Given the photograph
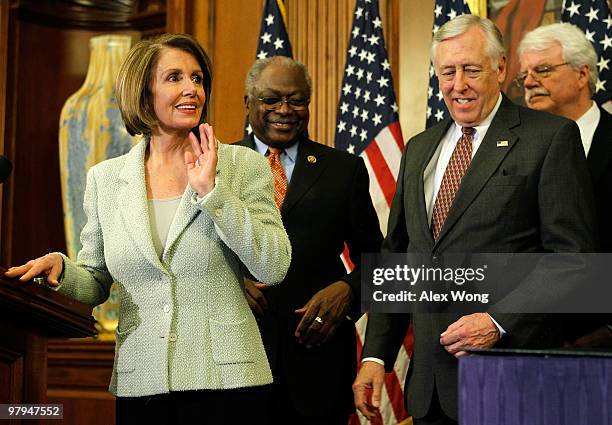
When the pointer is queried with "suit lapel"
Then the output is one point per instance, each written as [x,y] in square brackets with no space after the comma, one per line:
[309,165]
[185,214]
[422,206]
[600,154]
[487,159]
[133,205]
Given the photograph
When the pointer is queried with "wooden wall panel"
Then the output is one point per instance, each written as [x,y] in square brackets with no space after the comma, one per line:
[236,30]
[79,371]
[4,20]
[11,375]
[178,16]
[414,39]
[319,31]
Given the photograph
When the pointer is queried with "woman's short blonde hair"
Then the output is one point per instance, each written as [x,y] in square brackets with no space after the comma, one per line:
[133,84]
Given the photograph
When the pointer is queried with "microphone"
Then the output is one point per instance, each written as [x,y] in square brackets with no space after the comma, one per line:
[5,168]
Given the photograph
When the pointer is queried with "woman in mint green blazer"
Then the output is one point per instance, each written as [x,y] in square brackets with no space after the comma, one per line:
[176,223]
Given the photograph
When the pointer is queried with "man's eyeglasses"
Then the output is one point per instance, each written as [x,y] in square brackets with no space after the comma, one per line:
[274,103]
[538,73]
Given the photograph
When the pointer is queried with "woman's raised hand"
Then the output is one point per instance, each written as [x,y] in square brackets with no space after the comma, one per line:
[202,161]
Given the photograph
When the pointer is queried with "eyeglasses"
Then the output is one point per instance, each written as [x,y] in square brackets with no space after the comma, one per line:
[538,73]
[274,103]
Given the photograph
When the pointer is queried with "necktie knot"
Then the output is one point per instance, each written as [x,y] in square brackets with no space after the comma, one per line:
[468,131]
[275,151]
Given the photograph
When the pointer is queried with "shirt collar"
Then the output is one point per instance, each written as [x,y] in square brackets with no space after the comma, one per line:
[262,148]
[590,118]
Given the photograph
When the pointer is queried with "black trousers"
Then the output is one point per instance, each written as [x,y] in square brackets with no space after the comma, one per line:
[281,410]
[435,415]
[206,407]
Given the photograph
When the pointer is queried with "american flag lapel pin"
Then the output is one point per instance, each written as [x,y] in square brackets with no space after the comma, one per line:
[502,143]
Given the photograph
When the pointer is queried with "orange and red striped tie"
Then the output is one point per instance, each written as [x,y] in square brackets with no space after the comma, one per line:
[280,179]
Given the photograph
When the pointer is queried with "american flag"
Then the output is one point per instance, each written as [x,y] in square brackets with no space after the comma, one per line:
[368,126]
[593,17]
[444,11]
[368,123]
[273,37]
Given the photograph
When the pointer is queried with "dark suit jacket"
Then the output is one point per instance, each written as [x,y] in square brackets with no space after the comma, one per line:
[327,204]
[527,197]
[600,166]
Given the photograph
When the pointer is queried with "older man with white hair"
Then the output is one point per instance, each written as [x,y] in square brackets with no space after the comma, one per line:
[495,177]
[559,74]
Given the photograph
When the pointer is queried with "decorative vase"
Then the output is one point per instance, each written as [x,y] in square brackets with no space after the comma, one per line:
[91,130]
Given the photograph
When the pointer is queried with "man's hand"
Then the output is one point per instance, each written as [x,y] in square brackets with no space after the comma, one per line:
[255,297]
[369,381]
[471,331]
[323,313]
[600,337]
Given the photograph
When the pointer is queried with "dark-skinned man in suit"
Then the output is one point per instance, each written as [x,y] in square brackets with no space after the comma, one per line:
[496,178]
[559,75]
[323,195]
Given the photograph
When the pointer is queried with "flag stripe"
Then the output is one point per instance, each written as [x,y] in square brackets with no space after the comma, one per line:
[389,416]
[396,131]
[381,171]
[346,258]
[378,197]
[401,365]
[386,142]
[396,395]
[409,341]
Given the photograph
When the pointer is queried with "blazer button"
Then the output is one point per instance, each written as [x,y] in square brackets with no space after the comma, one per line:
[218,212]
[172,337]
[435,259]
[166,308]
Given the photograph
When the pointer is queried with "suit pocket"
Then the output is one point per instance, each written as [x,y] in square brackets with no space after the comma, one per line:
[232,342]
[507,180]
[125,349]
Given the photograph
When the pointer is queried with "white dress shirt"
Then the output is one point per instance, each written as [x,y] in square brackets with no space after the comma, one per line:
[587,124]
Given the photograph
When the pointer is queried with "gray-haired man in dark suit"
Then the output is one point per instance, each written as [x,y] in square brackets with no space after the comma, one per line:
[494,178]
